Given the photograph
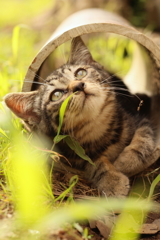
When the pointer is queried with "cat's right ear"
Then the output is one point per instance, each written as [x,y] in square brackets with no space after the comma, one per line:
[79,53]
[22,104]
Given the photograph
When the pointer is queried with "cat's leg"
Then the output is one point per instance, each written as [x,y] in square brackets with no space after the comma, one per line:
[140,154]
[107,179]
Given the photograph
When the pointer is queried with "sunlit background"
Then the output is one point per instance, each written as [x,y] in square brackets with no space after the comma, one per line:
[26,196]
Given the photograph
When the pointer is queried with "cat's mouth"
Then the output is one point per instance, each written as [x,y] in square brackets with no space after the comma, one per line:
[81,101]
[84,99]
[83,89]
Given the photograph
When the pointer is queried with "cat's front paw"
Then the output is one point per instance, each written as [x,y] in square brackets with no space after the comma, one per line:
[114,184]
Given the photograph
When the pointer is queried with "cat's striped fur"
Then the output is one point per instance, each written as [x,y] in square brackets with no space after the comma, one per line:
[102,115]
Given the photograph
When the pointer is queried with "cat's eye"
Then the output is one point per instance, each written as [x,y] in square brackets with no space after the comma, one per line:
[80,73]
[55,96]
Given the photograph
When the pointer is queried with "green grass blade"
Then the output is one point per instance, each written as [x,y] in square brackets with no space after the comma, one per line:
[3,133]
[153,185]
[15,42]
[62,112]
[72,183]
[76,147]
[59,138]
[72,143]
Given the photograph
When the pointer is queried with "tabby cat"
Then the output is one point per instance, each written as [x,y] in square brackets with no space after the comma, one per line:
[102,116]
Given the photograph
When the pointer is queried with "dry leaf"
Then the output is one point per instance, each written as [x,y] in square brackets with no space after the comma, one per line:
[157,222]
[92,223]
[103,228]
[149,228]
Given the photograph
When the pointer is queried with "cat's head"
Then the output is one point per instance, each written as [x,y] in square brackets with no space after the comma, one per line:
[82,76]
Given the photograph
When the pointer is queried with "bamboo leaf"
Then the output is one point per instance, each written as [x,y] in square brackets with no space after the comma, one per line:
[76,147]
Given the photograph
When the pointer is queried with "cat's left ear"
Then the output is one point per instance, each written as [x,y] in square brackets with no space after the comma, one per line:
[23,105]
[79,53]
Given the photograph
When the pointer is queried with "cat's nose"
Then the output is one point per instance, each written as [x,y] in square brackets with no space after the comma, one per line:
[78,86]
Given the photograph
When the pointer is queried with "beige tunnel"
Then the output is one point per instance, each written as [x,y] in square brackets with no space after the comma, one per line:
[90,21]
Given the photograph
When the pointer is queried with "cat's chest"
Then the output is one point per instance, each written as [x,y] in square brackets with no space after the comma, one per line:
[110,143]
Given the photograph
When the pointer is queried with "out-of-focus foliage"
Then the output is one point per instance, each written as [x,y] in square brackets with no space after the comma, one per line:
[14,11]
[25,26]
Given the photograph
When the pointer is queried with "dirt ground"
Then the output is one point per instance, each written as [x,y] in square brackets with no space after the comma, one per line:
[140,186]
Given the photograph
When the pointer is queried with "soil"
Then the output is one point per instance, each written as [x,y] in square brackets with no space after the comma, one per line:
[140,187]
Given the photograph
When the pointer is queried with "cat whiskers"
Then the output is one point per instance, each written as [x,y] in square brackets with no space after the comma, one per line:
[36,75]
[116,88]
[29,81]
[125,90]
[39,77]
[110,77]
[140,100]
[118,93]
[110,82]
[35,82]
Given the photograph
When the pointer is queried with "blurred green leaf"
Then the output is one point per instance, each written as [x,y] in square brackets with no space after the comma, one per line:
[76,147]
[3,133]
[59,138]
[15,42]
[91,209]
[26,175]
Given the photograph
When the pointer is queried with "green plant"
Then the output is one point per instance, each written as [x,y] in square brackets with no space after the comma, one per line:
[25,177]
[72,143]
